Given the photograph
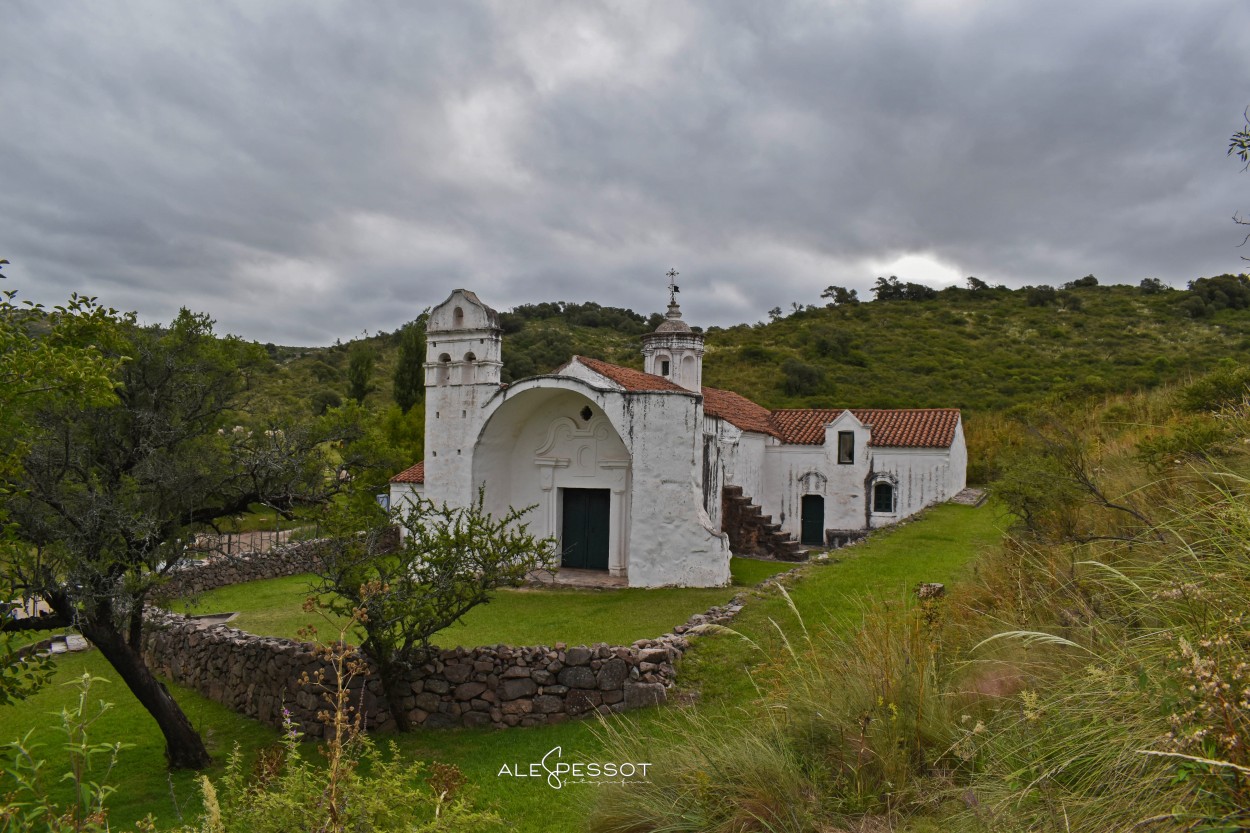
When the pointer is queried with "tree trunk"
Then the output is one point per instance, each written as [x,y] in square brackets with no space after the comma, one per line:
[395,687]
[184,748]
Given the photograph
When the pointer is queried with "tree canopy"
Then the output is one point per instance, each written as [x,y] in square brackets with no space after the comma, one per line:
[105,493]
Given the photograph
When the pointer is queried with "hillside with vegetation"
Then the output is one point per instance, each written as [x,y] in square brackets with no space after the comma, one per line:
[982,348]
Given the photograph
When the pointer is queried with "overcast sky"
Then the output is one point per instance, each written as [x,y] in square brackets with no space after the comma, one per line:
[306,171]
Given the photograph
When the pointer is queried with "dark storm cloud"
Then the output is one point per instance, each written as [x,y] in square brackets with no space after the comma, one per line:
[306,171]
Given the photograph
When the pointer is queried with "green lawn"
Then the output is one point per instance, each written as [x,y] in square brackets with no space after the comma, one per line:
[526,616]
[937,547]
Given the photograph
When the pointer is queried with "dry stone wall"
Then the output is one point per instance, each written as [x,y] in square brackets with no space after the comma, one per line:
[221,570]
[498,686]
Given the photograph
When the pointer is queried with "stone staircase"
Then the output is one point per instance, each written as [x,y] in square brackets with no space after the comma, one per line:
[751,532]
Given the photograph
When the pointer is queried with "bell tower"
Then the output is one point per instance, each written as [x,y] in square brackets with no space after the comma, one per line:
[463,360]
[674,351]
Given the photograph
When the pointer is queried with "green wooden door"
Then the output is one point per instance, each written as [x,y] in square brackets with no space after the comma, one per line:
[813,521]
[584,531]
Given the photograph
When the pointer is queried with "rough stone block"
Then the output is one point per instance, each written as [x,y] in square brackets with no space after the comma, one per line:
[457,673]
[612,675]
[512,689]
[577,677]
[580,701]
[577,656]
[517,707]
[640,695]
[467,691]
[548,704]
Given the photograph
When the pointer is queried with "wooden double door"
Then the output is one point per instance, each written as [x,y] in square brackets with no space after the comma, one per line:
[585,528]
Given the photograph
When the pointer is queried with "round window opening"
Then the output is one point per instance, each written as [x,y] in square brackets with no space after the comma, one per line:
[586,414]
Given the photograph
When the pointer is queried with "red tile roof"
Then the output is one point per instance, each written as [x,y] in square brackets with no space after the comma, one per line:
[412,474]
[912,428]
[738,411]
[628,378]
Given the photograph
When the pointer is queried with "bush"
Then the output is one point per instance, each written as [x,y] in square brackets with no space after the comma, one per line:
[799,379]
[358,789]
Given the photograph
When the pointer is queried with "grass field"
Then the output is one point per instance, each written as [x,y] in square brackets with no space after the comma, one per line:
[937,547]
[525,616]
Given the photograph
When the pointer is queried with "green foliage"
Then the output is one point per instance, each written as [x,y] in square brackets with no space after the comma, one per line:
[840,296]
[891,289]
[107,493]
[360,372]
[1040,296]
[1207,296]
[1082,283]
[408,383]
[324,400]
[28,807]
[800,379]
[449,560]
[1226,386]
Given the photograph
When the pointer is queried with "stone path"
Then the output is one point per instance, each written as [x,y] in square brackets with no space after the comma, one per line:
[970,497]
[570,577]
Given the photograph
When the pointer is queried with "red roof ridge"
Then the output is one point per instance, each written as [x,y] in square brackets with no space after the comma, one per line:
[891,427]
[412,474]
[626,377]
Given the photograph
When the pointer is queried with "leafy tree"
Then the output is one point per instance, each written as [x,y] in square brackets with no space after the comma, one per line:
[449,561]
[1040,296]
[409,380]
[360,372]
[840,296]
[107,493]
[1152,286]
[35,369]
[1082,283]
[977,285]
[799,379]
[892,289]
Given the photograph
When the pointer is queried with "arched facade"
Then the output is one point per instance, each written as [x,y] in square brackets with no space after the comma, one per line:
[554,448]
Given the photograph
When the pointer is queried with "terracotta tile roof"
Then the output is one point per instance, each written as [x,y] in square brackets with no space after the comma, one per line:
[412,474]
[913,428]
[628,378]
[738,411]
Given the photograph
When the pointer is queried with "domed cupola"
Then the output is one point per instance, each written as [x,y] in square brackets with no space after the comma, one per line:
[675,351]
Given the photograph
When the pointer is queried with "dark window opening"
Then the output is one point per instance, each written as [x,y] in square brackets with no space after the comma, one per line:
[883,498]
[664,367]
[586,414]
[846,447]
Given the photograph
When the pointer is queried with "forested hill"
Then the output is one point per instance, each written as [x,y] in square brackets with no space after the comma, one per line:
[980,349]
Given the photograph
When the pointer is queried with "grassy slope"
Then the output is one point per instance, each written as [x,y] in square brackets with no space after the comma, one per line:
[514,617]
[981,353]
[935,548]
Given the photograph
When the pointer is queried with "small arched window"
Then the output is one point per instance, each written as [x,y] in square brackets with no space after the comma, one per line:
[444,371]
[469,357]
[883,498]
[444,358]
[457,318]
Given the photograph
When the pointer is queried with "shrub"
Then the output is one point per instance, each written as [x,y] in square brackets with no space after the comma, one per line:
[358,789]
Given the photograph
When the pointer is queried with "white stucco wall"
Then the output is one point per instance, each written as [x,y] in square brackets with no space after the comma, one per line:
[642,446]
[921,478]
[404,495]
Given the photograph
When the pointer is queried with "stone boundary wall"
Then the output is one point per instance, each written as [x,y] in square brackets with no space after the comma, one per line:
[222,570]
[496,685]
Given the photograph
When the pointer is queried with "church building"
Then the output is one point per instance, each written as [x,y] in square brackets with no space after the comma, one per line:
[652,477]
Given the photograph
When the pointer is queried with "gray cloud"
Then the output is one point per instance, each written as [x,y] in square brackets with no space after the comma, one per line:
[308,171]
